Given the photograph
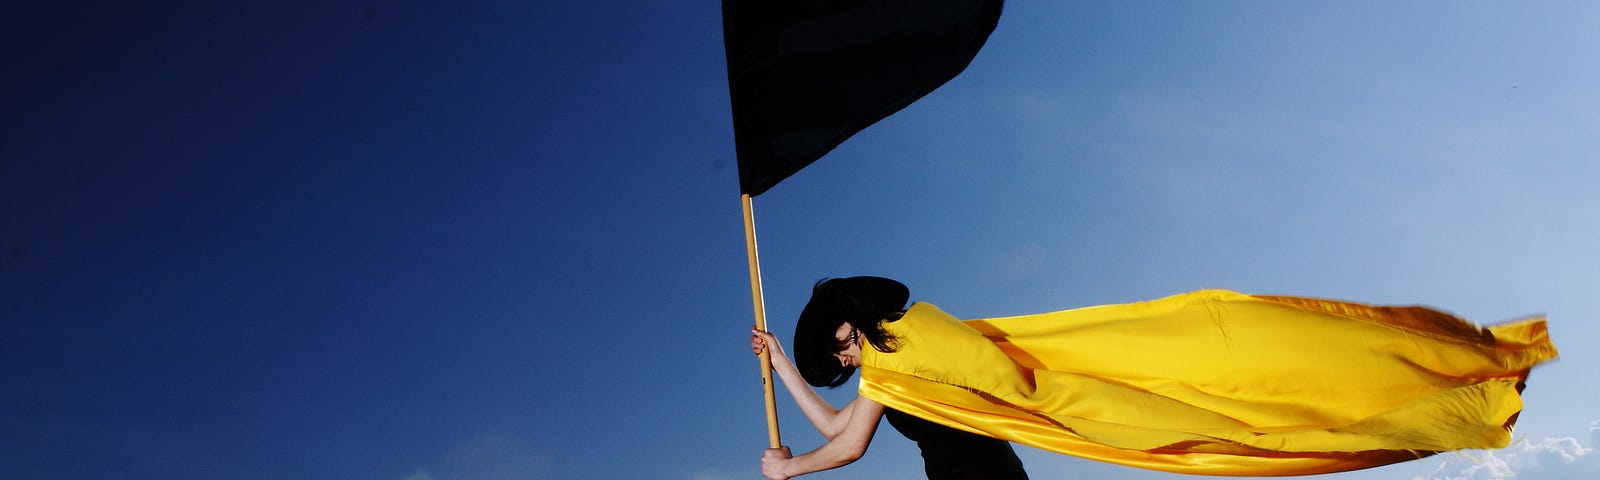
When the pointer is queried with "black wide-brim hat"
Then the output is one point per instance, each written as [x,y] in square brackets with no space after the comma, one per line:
[859,301]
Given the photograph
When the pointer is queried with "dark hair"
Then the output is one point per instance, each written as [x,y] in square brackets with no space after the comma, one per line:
[864,303]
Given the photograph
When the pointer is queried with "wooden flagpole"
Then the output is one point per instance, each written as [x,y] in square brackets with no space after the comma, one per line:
[761,320]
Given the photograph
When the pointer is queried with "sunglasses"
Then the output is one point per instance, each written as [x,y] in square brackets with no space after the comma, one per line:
[853,338]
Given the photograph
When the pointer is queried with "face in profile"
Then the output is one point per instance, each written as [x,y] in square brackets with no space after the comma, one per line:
[847,345]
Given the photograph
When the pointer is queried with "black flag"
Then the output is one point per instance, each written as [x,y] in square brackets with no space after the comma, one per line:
[805,75]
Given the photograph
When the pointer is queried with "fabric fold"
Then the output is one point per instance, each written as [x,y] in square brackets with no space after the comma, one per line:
[1216,382]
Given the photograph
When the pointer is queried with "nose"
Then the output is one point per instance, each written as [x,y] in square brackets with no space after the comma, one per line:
[843,362]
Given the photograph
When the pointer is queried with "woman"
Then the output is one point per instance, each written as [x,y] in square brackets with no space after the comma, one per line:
[1210,382]
[842,315]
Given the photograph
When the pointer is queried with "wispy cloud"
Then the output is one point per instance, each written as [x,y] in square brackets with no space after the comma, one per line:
[1551,457]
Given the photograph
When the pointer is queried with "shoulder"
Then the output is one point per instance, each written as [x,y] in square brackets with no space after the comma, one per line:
[867,405]
[921,315]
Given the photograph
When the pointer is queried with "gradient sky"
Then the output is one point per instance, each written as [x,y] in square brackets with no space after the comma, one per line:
[480,240]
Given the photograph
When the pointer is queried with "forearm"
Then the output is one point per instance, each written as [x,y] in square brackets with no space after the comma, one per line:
[827,419]
[829,456]
[845,448]
[862,421]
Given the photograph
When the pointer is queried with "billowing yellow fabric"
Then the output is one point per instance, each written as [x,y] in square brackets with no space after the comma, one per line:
[1216,382]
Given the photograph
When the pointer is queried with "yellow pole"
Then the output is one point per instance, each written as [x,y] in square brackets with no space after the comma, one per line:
[761,320]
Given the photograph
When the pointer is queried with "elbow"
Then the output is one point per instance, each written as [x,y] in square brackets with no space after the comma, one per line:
[834,433]
[842,458]
[852,452]
[841,452]
[830,434]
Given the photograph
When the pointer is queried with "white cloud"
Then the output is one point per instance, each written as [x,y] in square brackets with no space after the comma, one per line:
[1557,458]
[1566,448]
[1491,466]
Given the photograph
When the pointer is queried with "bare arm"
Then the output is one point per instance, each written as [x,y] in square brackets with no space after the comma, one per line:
[846,447]
[828,420]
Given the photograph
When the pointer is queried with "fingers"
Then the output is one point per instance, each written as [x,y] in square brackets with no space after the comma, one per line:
[761,341]
[772,462]
[776,453]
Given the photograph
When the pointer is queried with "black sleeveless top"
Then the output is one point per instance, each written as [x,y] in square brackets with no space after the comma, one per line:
[950,454]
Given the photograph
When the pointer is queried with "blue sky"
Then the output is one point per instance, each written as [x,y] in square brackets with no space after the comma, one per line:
[415,241]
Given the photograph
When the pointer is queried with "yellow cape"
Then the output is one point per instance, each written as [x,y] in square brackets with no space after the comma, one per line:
[1216,382]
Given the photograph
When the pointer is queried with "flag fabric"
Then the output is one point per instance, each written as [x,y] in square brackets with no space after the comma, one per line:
[1216,382]
[803,76]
